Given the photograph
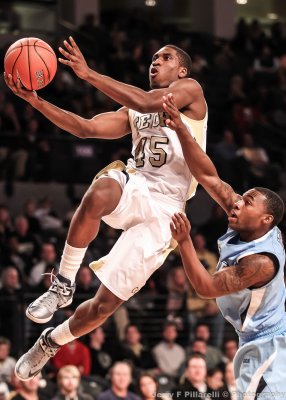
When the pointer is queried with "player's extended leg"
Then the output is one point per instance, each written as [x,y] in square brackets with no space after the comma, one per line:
[100,199]
[88,316]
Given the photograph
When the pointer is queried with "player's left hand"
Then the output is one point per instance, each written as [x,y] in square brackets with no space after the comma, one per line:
[74,58]
[180,227]
[174,121]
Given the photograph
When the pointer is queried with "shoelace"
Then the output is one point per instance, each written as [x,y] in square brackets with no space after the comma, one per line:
[59,290]
[58,286]
[48,350]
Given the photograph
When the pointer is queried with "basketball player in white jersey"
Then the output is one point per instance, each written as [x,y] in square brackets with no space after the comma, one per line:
[139,198]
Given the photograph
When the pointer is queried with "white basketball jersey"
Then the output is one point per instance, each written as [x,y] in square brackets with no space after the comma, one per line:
[157,153]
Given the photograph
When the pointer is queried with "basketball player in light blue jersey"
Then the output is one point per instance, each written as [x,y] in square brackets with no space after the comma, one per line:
[249,282]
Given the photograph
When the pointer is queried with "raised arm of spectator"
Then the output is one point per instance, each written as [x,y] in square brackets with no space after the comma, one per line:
[185,90]
[200,165]
[110,125]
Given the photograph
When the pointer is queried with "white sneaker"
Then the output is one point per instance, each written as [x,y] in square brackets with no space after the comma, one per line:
[59,295]
[32,362]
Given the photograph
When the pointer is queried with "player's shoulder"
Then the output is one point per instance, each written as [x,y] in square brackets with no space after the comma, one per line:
[187,83]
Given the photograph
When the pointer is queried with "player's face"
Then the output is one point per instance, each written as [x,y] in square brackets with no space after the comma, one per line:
[165,68]
[249,213]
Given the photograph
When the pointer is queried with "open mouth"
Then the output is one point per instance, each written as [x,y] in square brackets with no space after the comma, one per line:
[153,71]
[232,217]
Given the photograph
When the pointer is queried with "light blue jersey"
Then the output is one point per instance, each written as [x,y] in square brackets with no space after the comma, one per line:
[254,312]
[258,316]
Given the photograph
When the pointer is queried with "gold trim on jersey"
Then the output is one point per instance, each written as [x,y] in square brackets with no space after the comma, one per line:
[198,131]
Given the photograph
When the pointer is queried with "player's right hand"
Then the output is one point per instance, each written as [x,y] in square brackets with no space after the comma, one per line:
[180,227]
[174,121]
[18,89]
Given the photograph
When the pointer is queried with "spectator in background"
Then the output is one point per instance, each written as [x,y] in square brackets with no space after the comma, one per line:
[205,311]
[68,380]
[266,65]
[214,356]
[6,224]
[101,358]
[208,258]
[10,121]
[215,379]
[4,391]
[74,353]
[176,304]
[48,218]
[7,363]
[29,390]
[254,163]
[90,32]
[148,388]
[121,378]
[168,354]
[230,348]
[28,244]
[230,381]
[11,301]
[211,354]
[12,256]
[29,210]
[133,350]
[236,89]
[193,380]
[216,225]
[47,257]
[224,155]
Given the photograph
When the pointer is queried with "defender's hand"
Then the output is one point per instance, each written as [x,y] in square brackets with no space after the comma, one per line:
[174,121]
[19,90]
[74,58]
[180,227]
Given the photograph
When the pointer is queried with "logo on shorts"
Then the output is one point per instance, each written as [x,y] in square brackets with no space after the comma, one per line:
[246,361]
[135,290]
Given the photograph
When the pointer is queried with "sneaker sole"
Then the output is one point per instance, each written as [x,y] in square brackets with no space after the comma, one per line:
[44,320]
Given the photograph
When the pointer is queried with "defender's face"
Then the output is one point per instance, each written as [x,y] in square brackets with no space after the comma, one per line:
[249,212]
[165,68]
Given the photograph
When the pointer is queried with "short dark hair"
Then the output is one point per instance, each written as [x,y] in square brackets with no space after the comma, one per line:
[184,58]
[274,204]
[4,340]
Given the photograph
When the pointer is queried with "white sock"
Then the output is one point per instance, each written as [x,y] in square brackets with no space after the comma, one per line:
[70,262]
[62,334]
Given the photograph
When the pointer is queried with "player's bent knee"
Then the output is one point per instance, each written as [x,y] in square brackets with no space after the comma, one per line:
[101,199]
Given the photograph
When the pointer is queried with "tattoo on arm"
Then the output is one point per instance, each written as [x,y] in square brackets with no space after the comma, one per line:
[252,271]
[223,191]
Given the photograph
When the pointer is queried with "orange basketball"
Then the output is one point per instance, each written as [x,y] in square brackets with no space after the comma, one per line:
[33,61]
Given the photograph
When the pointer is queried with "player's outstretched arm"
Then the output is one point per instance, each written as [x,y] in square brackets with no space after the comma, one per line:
[109,125]
[200,165]
[185,90]
[252,271]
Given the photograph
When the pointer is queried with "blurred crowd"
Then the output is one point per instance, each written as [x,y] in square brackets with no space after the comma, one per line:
[168,341]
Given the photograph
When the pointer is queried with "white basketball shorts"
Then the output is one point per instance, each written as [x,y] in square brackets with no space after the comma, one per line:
[146,241]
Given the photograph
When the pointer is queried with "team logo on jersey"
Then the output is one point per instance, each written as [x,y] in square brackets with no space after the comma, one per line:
[151,120]
[135,290]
